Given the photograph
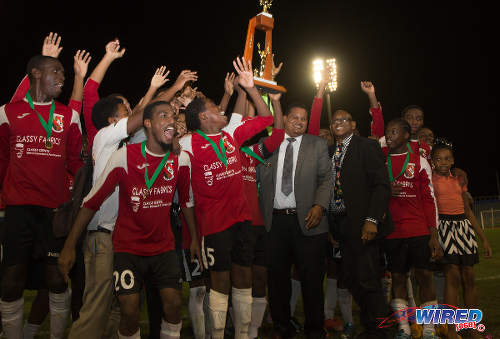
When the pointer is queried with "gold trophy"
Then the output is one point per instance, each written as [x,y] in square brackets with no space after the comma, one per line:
[263,55]
[263,76]
[265,5]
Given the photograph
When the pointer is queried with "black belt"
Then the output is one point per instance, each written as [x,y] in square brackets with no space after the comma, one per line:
[100,229]
[337,214]
[285,211]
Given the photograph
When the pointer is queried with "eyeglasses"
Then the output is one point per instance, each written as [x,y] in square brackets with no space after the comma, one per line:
[340,120]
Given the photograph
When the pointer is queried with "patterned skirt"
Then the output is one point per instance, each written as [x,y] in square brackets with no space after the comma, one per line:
[458,240]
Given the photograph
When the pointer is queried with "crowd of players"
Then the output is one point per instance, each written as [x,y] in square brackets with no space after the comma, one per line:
[245,207]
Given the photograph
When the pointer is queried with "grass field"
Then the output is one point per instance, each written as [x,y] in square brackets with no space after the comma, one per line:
[487,279]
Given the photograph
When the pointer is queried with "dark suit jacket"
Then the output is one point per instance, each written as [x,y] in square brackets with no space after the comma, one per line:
[365,183]
[312,182]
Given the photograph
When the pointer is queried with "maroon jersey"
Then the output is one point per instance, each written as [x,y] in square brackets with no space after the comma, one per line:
[249,167]
[143,223]
[31,173]
[218,190]
[414,209]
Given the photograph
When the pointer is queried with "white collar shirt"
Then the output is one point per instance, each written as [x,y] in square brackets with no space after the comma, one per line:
[282,201]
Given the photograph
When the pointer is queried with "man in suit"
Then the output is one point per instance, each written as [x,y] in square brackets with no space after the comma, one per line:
[295,193]
[358,216]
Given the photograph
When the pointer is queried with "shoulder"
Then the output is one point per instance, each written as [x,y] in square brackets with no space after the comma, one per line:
[235,121]
[314,139]
[119,158]
[186,143]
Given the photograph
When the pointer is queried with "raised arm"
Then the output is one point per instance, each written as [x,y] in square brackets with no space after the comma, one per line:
[184,76]
[245,80]
[80,66]
[377,124]
[113,52]
[90,90]
[135,120]
[158,80]
[278,112]
[228,91]
[317,106]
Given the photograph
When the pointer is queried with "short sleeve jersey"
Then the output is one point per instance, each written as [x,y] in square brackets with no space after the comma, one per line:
[218,189]
[33,174]
[143,223]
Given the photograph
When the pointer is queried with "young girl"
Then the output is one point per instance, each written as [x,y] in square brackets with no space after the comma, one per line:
[457,233]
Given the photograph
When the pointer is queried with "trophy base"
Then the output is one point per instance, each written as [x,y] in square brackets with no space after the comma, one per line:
[268,86]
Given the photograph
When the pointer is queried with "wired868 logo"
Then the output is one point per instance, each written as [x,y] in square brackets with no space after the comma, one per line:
[462,318]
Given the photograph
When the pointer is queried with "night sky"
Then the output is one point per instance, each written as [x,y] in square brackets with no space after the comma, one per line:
[438,55]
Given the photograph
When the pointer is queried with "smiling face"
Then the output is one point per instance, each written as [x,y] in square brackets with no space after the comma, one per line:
[443,160]
[161,126]
[415,118]
[396,137]
[296,122]
[50,75]
[342,125]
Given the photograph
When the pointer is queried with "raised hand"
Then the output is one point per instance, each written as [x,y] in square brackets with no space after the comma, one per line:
[185,76]
[113,49]
[245,74]
[160,77]
[367,87]
[275,96]
[81,63]
[275,70]
[51,44]
[229,83]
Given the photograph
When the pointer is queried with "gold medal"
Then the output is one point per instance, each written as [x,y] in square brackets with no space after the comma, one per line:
[267,164]
[48,144]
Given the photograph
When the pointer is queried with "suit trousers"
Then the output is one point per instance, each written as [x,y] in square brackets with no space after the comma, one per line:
[99,315]
[287,245]
[361,273]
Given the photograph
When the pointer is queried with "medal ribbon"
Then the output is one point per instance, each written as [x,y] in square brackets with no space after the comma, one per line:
[389,166]
[409,148]
[46,126]
[251,153]
[149,183]
[221,154]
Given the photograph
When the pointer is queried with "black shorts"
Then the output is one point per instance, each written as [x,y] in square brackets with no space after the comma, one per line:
[191,271]
[260,246]
[29,236]
[406,253]
[130,271]
[235,244]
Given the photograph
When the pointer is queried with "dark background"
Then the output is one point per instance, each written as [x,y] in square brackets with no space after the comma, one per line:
[439,55]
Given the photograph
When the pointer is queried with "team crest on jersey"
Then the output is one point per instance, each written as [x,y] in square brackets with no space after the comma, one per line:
[58,123]
[168,171]
[410,171]
[227,145]
[135,201]
[423,153]
[19,148]
[209,178]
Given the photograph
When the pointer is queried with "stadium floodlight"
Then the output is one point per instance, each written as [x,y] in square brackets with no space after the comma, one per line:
[318,67]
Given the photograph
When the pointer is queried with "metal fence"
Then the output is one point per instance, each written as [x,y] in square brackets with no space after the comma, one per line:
[487,211]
